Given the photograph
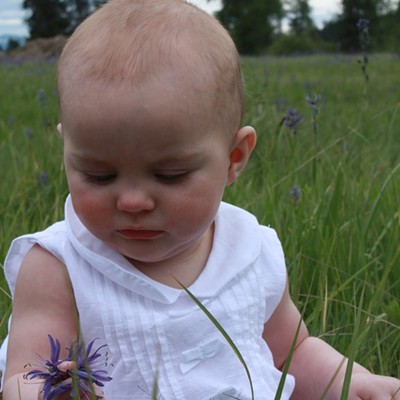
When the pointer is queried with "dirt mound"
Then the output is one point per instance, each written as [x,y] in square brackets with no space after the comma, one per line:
[40,49]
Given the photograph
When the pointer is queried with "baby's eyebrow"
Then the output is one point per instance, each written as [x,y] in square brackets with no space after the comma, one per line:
[167,159]
[89,159]
[180,158]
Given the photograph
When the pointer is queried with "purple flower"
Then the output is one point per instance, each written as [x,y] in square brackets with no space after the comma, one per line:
[314,103]
[364,39]
[86,361]
[28,133]
[48,370]
[42,97]
[292,119]
[80,371]
[42,180]
[363,26]
[295,193]
[11,120]
[363,33]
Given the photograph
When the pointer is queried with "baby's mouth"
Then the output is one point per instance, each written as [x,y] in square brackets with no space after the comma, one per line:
[140,234]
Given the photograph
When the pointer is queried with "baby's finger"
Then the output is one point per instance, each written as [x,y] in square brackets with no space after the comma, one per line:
[66,366]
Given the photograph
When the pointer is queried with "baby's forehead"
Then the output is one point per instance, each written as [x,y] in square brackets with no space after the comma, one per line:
[131,41]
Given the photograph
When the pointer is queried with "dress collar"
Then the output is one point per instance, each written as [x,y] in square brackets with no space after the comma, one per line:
[236,245]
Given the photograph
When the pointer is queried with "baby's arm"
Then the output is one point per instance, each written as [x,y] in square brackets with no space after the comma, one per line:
[43,304]
[314,362]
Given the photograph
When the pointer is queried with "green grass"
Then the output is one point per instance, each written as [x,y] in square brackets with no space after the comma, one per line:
[341,235]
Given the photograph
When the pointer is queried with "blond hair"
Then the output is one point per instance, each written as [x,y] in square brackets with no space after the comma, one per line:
[129,41]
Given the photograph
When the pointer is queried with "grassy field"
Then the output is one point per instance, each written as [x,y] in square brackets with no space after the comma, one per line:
[330,186]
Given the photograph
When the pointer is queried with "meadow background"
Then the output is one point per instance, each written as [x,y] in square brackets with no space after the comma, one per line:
[328,182]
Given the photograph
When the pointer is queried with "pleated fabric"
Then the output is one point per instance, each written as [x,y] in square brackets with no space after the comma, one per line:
[156,332]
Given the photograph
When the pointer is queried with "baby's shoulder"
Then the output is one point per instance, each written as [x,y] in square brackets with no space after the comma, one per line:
[41,278]
[38,257]
[34,252]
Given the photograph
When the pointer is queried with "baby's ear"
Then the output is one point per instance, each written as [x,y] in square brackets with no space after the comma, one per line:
[59,129]
[243,144]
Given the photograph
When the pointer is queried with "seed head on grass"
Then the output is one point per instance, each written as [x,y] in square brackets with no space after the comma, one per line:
[77,370]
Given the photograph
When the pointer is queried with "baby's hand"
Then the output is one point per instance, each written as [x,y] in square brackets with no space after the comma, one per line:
[65,367]
[367,386]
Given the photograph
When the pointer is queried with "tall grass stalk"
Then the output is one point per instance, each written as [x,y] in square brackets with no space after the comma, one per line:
[223,332]
[285,370]
[352,351]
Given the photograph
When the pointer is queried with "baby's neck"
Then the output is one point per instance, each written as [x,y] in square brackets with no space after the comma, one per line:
[184,267]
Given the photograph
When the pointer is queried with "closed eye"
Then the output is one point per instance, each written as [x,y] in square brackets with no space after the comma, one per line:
[100,179]
[171,178]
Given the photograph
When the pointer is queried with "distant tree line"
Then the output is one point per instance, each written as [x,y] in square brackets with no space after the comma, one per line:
[48,18]
[255,25]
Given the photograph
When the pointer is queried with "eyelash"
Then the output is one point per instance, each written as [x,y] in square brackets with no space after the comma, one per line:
[171,178]
[166,179]
[100,179]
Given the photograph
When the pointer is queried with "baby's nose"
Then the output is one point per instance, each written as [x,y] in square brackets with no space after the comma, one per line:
[135,200]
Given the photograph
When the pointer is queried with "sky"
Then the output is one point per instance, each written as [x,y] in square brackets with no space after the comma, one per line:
[12,15]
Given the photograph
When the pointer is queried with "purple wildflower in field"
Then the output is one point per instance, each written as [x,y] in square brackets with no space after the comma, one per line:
[49,372]
[364,39]
[42,97]
[292,119]
[363,26]
[43,102]
[11,120]
[28,133]
[86,361]
[83,362]
[42,180]
[295,193]
[314,103]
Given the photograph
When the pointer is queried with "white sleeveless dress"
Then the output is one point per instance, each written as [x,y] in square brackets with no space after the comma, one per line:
[155,330]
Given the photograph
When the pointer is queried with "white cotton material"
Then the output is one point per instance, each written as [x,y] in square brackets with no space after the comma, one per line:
[155,330]
[3,356]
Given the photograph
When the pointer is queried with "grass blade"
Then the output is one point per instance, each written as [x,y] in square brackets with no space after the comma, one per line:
[351,356]
[287,364]
[224,334]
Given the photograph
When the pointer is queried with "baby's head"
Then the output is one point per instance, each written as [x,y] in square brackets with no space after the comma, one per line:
[151,106]
[128,43]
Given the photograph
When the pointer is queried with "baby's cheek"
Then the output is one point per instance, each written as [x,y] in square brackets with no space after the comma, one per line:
[195,212]
[92,210]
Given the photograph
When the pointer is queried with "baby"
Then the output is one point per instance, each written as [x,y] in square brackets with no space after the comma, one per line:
[151,101]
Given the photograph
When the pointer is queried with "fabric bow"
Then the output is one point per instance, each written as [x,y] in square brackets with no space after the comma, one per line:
[192,357]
